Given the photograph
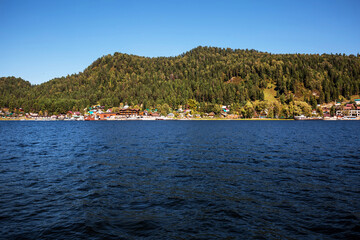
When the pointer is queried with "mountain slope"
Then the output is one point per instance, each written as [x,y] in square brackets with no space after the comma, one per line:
[205,74]
[13,91]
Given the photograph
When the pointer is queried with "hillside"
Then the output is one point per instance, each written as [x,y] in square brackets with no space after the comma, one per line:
[208,75]
[13,91]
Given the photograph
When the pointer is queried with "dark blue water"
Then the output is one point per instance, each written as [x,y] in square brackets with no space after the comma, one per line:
[180,180]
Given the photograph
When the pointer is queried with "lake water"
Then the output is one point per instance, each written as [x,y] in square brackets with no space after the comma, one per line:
[180,180]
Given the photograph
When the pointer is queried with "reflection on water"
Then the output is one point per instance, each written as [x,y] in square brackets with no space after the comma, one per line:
[180,180]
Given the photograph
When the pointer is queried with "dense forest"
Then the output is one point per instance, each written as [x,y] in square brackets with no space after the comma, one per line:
[204,76]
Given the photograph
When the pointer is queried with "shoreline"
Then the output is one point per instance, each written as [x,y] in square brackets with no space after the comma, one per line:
[174,119]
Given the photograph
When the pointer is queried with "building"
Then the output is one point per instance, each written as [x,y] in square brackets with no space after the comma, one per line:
[129,112]
[105,116]
[154,114]
[348,111]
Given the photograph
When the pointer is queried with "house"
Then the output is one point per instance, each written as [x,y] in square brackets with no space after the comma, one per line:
[97,107]
[325,110]
[349,111]
[212,114]
[129,112]
[105,116]
[234,116]
[154,114]
[225,109]
[357,101]
[262,115]
[354,113]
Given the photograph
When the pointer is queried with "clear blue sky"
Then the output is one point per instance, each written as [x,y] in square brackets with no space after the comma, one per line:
[41,40]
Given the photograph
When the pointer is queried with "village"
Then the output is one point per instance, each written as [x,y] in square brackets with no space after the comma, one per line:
[331,111]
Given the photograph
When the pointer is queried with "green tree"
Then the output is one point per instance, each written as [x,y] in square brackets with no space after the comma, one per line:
[332,111]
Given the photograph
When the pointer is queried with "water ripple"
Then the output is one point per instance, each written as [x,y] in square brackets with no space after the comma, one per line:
[180,180]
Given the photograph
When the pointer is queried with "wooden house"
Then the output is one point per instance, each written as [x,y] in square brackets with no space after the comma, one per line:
[129,112]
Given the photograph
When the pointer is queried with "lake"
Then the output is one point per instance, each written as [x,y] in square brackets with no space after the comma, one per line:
[180,180]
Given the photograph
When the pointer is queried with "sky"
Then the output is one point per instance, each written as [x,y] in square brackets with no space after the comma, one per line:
[41,40]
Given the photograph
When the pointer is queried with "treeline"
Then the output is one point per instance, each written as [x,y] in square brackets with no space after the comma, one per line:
[208,75]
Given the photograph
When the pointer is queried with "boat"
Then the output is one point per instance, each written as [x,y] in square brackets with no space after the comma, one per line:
[330,118]
[301,117]
[348,118]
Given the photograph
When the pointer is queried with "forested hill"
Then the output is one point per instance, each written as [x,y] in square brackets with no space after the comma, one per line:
[208,75]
